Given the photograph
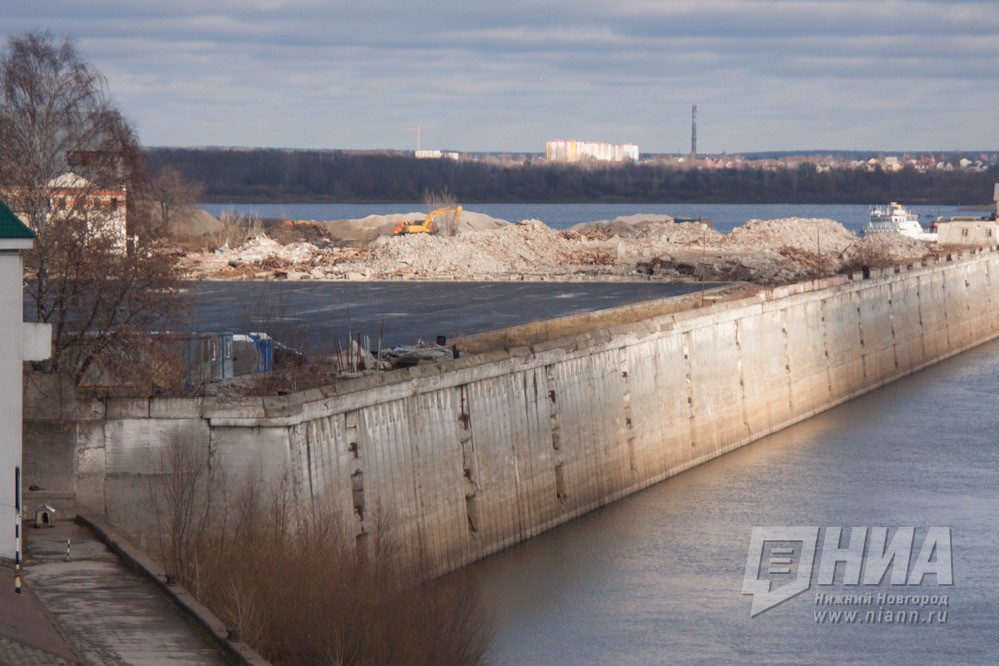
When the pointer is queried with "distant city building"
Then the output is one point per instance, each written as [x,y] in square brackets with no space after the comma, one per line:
[435,154]
[573,151]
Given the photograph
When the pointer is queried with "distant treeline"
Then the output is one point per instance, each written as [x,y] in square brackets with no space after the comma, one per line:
[273,175]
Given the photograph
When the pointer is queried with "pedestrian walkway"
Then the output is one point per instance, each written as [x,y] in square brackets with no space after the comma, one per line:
[28,636]
[89,608]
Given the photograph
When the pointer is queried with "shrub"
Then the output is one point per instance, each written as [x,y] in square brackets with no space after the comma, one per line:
[300,588]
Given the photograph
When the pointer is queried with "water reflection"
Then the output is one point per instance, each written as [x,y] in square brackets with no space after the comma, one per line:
[657,577]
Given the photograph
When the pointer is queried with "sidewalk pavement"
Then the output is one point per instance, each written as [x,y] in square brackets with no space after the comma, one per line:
[90,608]
[27,634]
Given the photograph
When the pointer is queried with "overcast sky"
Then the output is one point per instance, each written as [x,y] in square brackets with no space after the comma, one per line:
[509,75]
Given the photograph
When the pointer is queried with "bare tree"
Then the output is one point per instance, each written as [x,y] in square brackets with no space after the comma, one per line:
[172,195]
[72,168]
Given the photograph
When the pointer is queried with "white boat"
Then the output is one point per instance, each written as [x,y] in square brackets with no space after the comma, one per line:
[893,218]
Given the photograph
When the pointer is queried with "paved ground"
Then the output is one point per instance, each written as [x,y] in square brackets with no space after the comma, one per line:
[410,310]
[27,633]
[90,609]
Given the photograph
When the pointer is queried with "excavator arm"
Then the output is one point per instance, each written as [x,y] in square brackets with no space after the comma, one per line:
[429,223]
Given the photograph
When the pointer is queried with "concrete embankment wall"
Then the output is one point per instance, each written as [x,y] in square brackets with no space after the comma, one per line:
[474,455]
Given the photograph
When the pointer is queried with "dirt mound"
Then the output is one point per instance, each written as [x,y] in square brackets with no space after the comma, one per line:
[652,228]
[367,228]
[371,227]
[471,222]
[193,222]
[527,248]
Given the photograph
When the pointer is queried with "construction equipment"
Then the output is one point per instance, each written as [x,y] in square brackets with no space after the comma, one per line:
[429,225]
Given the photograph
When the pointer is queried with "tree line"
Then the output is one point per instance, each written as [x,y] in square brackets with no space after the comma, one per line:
[276,175]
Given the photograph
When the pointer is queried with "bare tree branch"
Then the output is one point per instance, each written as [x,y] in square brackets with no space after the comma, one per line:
[72,168]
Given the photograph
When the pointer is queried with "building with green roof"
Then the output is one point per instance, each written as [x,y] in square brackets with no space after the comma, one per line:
[22,342]
[12,228]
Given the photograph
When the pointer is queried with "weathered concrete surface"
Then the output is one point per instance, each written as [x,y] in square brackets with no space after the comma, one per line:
[471,456]
[27,633]
[110,614]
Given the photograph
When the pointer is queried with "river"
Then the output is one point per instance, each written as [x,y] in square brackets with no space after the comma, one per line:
[561,216]
[658,577]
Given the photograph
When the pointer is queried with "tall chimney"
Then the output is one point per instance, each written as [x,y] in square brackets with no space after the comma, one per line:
[693,133]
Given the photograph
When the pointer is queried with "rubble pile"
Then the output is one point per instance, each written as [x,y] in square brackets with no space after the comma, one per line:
[648,228]
[261,258]
[819,235]
[372,227]
[527,248]
[881,250]
[484,248]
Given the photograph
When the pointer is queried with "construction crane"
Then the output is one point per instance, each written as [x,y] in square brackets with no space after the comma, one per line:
[419,135]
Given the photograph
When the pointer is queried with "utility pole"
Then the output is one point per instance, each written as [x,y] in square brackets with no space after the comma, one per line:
[419,135]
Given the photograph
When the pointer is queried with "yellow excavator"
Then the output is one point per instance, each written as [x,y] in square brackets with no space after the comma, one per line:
[428,225]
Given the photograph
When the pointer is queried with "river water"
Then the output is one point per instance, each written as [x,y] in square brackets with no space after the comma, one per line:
[658,577]
[561,216]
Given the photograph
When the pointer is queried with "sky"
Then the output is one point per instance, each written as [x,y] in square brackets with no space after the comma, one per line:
[890,75]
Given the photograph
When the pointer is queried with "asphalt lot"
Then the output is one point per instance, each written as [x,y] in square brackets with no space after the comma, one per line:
[313,312]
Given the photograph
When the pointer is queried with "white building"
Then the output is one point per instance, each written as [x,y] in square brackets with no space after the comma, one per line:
[436,154]
[22,342]
[103,209]
[980,232]
[571,150]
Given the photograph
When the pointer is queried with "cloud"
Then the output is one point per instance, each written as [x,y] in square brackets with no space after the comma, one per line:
[767,74]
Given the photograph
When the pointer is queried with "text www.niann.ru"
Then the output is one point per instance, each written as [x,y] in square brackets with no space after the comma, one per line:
[881,616]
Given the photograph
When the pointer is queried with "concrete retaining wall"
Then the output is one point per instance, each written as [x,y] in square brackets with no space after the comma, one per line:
[474,455]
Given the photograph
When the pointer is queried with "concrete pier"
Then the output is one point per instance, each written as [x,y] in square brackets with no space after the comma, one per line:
[471,456]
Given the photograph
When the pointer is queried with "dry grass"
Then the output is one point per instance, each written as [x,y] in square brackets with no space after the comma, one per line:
[865,257]
[234,229]
[442,199]
[587,322]
[299,587]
